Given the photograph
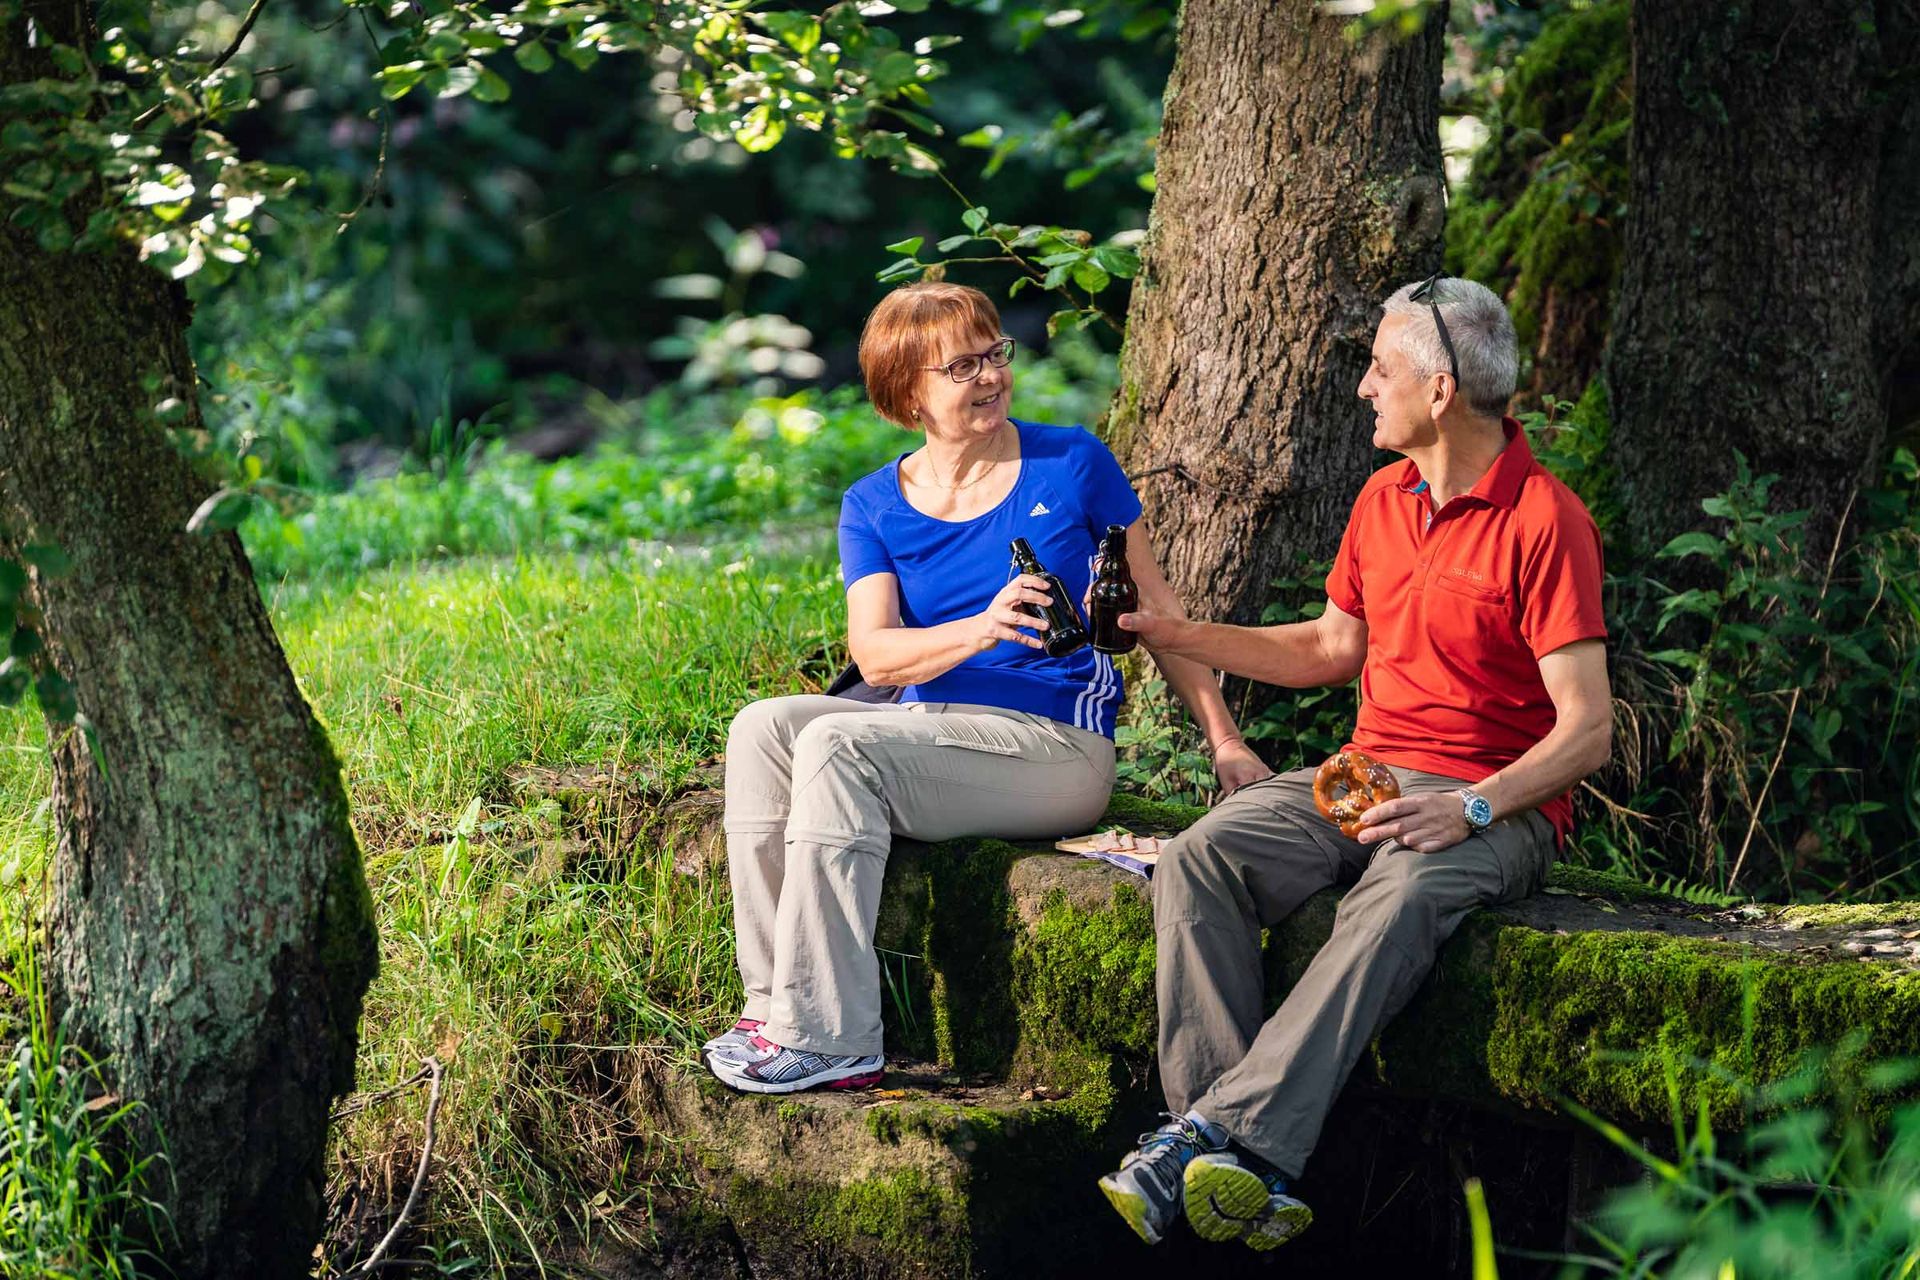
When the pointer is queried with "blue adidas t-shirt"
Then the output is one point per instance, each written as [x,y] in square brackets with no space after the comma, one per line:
[1070,489]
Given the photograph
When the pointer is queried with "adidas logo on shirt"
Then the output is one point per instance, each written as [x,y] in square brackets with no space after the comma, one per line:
[1039,509]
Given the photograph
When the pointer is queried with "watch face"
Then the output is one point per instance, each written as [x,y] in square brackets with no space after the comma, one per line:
[1479,811]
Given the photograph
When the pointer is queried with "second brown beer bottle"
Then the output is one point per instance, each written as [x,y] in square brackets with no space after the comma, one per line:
[1113,594]
[1064,633]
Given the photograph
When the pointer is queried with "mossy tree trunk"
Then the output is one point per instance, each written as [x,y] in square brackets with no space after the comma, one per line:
[1298,183]
[211,933]
[1746,313]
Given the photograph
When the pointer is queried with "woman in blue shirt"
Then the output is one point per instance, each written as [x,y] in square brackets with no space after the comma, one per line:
[990,737]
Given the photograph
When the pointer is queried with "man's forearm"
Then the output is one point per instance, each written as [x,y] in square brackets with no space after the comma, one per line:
[1290,654]
[1552,766]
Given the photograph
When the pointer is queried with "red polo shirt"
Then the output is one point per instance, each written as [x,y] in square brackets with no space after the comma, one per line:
[1460,605]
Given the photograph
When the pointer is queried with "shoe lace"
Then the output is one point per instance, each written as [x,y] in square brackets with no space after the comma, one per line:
[1168,1140]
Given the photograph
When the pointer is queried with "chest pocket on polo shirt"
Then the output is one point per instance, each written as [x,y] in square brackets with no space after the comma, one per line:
[1477,612]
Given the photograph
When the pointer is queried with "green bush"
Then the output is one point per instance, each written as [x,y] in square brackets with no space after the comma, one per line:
[671,466]
[1808,1189]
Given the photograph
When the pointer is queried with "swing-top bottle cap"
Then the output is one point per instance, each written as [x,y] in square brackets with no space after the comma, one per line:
[1022,550]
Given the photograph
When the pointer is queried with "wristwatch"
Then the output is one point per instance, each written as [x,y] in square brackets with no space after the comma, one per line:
[1476,810]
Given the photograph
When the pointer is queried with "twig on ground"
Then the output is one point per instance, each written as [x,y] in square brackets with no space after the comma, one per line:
[356,1105]
[435,1072]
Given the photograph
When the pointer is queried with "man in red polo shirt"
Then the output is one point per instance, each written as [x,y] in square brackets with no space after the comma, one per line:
[1466,596]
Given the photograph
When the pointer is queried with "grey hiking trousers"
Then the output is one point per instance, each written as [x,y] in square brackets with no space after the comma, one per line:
[1246,865]
[817,787]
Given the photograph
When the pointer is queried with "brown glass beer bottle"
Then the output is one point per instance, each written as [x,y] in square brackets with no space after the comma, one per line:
[1064,633]
[1113,594]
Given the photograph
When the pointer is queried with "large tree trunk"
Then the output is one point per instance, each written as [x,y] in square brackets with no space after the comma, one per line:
[1746,311]
[211,930]
[1298,183]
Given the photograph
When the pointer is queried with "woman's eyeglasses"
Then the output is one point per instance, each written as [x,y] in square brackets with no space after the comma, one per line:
[967,368]
[1423,292]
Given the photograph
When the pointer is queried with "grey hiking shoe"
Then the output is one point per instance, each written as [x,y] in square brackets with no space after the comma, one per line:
[1225,1200]
[1146,1188]
[736,1043]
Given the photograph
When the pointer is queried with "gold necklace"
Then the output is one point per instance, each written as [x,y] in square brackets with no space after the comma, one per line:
[955,488]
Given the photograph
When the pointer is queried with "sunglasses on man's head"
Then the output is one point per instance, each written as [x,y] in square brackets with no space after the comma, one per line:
[1424,292]
[967,368]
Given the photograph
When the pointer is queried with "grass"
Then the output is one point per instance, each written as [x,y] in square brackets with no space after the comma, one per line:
[544,962]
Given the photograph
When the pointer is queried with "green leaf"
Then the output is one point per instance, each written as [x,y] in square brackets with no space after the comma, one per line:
[1124,263]
[1058,319]
[47,558]
[14,680]
[1693,544]
[1014,289]
[533,57]
[25,643]
[56,696]
[923,123]
[903,269]
[985,136]
[975,219]
[954,242]
[491,87]
[396,81]
[760,130]
[452,82]
[909,247]
[13,580]
[1091,277]
[800,31]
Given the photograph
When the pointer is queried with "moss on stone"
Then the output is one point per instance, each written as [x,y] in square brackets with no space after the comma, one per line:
[900,1222]
[1849,915]
[1603,1018]
[1091,972]
[1138,814]
[1606,884]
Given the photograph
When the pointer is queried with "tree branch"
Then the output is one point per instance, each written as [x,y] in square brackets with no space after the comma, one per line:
[226,55]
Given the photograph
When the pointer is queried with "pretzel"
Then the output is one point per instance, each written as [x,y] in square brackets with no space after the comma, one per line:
[1365,783]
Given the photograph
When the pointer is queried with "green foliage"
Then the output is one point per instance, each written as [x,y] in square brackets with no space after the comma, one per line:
[1811,1189]
[79,1175]
[1784,678]
[1304,726]
[1053,258]
[674,467]
[1541,218]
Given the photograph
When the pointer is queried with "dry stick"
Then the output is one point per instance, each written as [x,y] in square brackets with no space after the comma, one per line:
[1753,818]
[431,1065]
[356,1105]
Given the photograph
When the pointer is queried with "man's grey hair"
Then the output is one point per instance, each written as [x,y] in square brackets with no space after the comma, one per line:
[1482,334]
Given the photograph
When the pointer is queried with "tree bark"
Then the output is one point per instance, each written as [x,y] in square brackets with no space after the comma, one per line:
[1746,311]
[1298,183]
[211,930]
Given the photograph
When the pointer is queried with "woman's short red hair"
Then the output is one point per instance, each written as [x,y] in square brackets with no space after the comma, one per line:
[903,335]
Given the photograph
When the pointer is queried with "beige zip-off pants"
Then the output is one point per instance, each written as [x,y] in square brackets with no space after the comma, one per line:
[1247,865]
[817,787]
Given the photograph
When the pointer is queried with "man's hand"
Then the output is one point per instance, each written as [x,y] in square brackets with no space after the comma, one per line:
[1235,765]
[1426,823]
[1156,631]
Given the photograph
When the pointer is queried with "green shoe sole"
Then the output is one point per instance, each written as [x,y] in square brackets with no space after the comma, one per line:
[1131,1206]
[1225,1200]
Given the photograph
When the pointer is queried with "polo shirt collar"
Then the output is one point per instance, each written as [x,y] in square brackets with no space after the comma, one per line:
[1500,487]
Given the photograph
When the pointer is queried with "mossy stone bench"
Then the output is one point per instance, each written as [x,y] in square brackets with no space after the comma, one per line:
[1022,1023]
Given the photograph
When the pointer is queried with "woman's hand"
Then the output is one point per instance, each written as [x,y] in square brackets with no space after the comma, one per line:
[1235,765]
[1003,619]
